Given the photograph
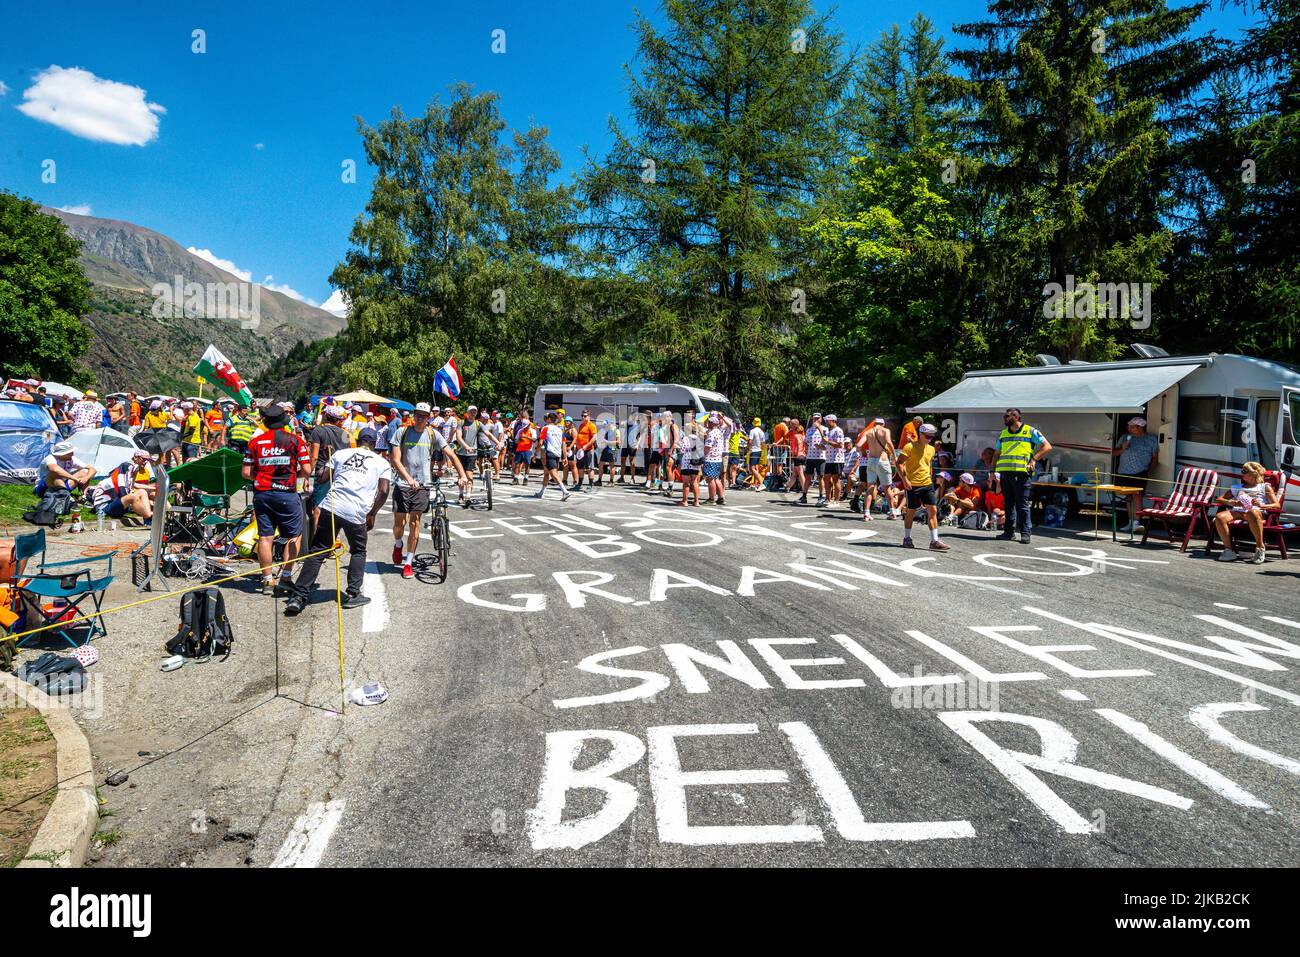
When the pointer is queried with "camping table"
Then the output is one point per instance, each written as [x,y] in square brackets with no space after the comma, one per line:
[1097,489]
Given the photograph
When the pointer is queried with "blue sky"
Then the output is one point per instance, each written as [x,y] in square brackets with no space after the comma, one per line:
[250,135]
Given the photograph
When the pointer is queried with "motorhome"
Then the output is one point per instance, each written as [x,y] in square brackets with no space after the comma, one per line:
[623,401]
[1211,411]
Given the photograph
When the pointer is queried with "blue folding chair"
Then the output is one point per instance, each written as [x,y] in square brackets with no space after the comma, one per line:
[74,587]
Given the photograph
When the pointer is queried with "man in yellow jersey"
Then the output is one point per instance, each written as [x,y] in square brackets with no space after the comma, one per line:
[914,466]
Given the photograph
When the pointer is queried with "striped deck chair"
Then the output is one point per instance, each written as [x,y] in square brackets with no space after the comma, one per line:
[1188,502]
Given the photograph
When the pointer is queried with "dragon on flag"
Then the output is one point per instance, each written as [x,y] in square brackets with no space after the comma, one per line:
[217,369]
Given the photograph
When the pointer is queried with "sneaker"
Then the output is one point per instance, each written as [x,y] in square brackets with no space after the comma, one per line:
[1259,557]
[267,587]
[939,546]
[907,543]
[293,606]
[1006,536]
[539,493]
[1024,539]
[1227,555]
[821,501]
[356,601]
[803,499]
[867,517]
[564,497]
[408,571]
[397,554]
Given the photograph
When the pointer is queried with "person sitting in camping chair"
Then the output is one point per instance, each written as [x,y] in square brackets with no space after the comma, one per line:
[122,494]
[1247,502]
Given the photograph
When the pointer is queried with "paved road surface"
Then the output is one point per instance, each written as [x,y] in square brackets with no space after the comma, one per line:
[616,681]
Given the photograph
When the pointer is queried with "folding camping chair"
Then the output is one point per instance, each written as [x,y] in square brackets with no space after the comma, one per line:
[72,587]
[1188,501]
[1274,533]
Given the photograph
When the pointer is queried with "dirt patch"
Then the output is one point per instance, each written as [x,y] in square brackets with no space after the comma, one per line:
[28,773]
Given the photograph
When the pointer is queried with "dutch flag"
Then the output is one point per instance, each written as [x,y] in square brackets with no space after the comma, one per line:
[447,379]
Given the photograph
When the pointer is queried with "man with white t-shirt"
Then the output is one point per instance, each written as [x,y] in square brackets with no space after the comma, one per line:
[551,439]
[358,484]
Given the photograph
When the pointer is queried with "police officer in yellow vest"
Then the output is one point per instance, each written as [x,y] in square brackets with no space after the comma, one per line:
[242,428]
[1020,448]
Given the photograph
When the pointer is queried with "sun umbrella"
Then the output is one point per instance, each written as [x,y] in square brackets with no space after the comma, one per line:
[360,396]
[105,449]
[220,473]
[158,441]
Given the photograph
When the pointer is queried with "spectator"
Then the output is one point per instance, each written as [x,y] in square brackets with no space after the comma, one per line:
[117,415]
[88,413]
[121,494]
[61,468]
[1247,502]
[1139,452]
[273,463]
[964,500]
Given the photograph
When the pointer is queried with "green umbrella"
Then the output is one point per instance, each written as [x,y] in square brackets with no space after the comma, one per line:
[220,473]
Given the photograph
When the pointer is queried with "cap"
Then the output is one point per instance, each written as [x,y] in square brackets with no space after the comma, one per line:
[335,411]
[928,429]
[423,407]
[63,448]
[141,454]
[815,415]
[272,413]
[367,436]
[830,417]
[878,421]
[1138,421]
[156,404]
[92,394]
[757,420]
[967,478]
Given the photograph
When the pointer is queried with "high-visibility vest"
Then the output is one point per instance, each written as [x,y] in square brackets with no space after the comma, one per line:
[1015,449]
[241,430]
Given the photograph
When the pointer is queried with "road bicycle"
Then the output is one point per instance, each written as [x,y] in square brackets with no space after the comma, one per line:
[439,530]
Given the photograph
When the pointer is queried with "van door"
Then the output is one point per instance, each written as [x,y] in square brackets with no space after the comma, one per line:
[1288,423]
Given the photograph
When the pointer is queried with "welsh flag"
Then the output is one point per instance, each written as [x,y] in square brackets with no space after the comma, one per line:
[216,368]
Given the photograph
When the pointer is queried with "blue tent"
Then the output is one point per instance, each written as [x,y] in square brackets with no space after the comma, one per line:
[27,434]
[400,405]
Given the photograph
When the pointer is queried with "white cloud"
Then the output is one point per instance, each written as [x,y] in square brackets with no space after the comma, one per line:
[81,209]
[220,263]
[336,304]
[286,290]
[259,146]
[78,101]
[3,89]
[247,276]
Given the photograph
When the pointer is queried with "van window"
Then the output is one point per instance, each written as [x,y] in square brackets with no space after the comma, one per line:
[723,406]
[553,400]
[1211,419]
[1266,431]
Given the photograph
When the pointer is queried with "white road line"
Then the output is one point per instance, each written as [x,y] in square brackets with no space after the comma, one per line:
[1220,604]
[374,617]
[1070,694]
[310,835]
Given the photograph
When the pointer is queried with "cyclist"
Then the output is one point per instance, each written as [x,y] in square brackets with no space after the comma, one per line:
[490,443]
[414,447]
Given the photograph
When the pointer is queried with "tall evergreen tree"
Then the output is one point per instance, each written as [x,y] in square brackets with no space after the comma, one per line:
[735,111]
[1073,107]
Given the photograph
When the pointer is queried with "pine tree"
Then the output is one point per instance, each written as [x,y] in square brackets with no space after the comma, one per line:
[1073,108]
[735,110]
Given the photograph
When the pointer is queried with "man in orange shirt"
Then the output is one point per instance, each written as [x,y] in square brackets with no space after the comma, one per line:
[585,451]
[909,432]
[778,453]
[216,422]
[132,410]
[964,500]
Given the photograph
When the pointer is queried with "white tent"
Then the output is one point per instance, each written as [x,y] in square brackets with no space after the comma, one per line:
[106,449]
[58,388]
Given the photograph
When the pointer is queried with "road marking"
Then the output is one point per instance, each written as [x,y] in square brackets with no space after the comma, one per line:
[1220,604]
[374,617]
[310,835]
[1071,695]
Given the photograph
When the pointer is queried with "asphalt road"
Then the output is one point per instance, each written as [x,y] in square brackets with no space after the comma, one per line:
[616,681]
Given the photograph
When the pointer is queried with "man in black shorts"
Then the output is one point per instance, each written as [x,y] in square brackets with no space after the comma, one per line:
[414,449]
[274,462]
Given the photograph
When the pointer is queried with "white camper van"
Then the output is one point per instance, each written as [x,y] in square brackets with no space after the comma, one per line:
[1212,411]
[623,401]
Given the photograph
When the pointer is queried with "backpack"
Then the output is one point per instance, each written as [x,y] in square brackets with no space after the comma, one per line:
[55,503]
[204,628]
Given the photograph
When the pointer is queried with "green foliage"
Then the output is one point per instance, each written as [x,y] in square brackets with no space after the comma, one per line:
[43,295]
[702,204]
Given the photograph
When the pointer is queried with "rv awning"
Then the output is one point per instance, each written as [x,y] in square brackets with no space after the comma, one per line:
[1067,389]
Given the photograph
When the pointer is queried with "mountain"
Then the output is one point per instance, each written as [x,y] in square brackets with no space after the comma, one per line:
[137,344]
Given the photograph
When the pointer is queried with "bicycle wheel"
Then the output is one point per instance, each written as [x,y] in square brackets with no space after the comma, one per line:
[441,542]
[487,483]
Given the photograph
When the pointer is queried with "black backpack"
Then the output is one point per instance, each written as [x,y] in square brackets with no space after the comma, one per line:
[204,629]
[55,504]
